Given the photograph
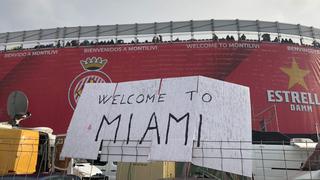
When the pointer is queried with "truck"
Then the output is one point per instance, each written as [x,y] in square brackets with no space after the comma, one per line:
[35,151]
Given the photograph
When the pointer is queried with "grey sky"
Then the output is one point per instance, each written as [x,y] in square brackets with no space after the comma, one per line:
[18,15]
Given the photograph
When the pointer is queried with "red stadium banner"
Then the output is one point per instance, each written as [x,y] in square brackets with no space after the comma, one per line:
[283,79]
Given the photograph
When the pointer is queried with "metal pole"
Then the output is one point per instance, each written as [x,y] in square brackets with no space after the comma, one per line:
[97,33]
[64,36]
[317,130]
[116,33]
[171,31]
[278,31]
[238,28]
[275,112]
[212,29]
[23,38]
[312,34]
[79,35]
[191,30]
[258,29]
[136,33]
[300,34]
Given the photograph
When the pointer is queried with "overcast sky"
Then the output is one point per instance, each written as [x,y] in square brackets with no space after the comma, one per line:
[16,15]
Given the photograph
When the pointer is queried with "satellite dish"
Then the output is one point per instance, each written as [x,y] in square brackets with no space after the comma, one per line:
[17,105]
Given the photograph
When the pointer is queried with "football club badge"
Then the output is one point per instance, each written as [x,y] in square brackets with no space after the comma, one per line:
[92,74]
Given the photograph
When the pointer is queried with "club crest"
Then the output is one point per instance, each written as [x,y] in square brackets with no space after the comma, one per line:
[92,74]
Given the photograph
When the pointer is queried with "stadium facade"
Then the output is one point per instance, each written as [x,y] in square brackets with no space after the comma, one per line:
[279,62]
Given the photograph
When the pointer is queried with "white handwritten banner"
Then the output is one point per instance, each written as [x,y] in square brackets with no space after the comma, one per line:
[186,119]
[225,140]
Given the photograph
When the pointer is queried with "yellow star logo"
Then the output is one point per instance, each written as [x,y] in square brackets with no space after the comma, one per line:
[296,75]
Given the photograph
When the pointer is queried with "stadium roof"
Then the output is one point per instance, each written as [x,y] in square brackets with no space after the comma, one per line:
[160,28]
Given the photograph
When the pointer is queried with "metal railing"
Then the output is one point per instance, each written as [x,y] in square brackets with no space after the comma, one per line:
[281,160]
[191,29]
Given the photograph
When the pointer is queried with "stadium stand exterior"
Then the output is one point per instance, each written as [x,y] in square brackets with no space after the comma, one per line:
[278,61]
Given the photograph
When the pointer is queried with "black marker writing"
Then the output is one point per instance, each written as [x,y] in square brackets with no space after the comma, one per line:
[104,99]
[129,128]
[104,119]
[153,116]
[178,120]
[191,94]
[199,131]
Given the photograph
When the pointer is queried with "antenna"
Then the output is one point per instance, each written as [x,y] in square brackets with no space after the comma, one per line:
[17,107]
